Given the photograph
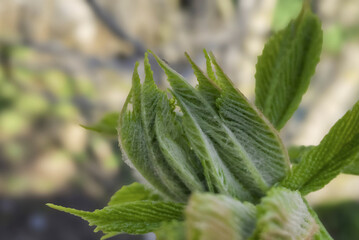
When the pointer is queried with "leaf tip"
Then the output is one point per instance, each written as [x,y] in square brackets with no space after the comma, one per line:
[56,207]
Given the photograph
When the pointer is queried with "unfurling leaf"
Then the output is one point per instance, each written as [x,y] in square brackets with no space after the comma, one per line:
[235,144]
[283,215]
[137,217]
[213,217]
[152,139]
[286,65]
[322,163]
[107,125]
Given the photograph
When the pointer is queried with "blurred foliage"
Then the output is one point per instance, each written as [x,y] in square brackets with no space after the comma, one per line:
[341,219]
[40,145]
[284,12]
[335,35]
[107,125]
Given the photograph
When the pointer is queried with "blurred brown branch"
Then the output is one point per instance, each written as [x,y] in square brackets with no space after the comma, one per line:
[111,24]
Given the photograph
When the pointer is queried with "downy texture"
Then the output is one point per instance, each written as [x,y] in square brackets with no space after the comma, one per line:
[284,215]
[212,217]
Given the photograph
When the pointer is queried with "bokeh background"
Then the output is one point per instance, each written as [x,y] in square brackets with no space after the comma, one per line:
[67,62]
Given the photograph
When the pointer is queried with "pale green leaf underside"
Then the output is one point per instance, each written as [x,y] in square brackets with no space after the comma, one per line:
[235,144]
[107,125]
[214,217]
[133,192]
[154,142]
[286,65]
[203,129]
[137,217]
[322,163]
[170,136]
[132,138]
[259,140]
[283,215]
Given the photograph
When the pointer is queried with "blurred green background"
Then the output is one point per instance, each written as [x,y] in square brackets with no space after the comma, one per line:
[67,62]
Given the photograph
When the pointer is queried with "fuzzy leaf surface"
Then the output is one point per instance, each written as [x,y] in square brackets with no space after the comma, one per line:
[137,144]
[339,148]
[132,217]
[259,140]
[107,125]
[175,148]
[213,217]
[206,133]
[283,215]
[286,65]
[228,158]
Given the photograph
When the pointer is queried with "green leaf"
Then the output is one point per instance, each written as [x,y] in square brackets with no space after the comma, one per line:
[286,65]
[213,217]
[225,145]
[322,163]
[259,140]
[131,217]
[133,192]
[175,148]
[283,215]
[297,152]
[206,133]
[206,87]
[159,150]
[209,68]
[173,230]
[138,137]
[107,125]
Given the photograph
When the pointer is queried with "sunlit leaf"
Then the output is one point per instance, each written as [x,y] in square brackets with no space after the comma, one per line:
[137,217]
[175,148]
[258,139]
[206,133]
[286,65]
[322,163]
[132,138]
